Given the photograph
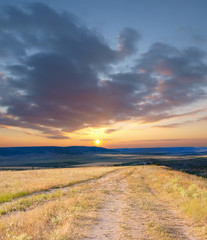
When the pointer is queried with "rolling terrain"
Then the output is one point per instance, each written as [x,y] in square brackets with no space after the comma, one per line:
[69,156]
[97,193]
[189,159]
[127,202]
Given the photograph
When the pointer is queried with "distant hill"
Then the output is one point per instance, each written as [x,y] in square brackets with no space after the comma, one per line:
[49,156]
[10,151]
[79,155]
[182,151]
[175,151]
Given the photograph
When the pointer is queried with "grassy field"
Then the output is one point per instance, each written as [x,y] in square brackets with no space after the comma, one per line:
[15,184]
[150,202]
[157,189]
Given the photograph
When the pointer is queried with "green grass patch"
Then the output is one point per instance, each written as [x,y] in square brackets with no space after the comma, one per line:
[6,197]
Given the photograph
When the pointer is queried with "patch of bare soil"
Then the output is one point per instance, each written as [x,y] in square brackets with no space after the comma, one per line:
[135,223]
[109,218]
[118,219]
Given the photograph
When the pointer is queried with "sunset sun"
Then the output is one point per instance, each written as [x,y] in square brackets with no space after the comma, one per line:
[97,141]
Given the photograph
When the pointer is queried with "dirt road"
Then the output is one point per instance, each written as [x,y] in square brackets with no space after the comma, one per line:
[120,205]
[132,210]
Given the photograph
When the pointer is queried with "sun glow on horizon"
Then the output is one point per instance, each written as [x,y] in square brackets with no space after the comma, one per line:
[97,141]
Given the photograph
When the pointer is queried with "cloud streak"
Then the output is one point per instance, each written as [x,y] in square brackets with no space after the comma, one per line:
[51,65]
[174,125]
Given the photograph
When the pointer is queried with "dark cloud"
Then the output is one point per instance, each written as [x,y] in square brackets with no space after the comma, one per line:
[199,38]
[7,120]
[51,65]
[191,34]
[203,119]
[111,130]
[128,39]
[86,140]
[178,78]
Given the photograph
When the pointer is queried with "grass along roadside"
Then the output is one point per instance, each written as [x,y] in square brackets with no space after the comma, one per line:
[145,217]
[68,217]
[30,202]
[185,192]
[56,219]
[33,200]
[16,184]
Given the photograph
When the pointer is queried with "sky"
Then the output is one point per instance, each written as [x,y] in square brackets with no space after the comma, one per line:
[129,73]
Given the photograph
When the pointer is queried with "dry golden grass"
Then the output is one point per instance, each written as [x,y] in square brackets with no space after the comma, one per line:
[187,193]
[145,217]
[14,184]
[31,201]
[69,216]
[165,204]
[56,219]
[158,203]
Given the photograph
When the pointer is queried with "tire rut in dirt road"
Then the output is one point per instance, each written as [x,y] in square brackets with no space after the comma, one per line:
[159,218]
[51,191]
[117,220]
[109,218]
